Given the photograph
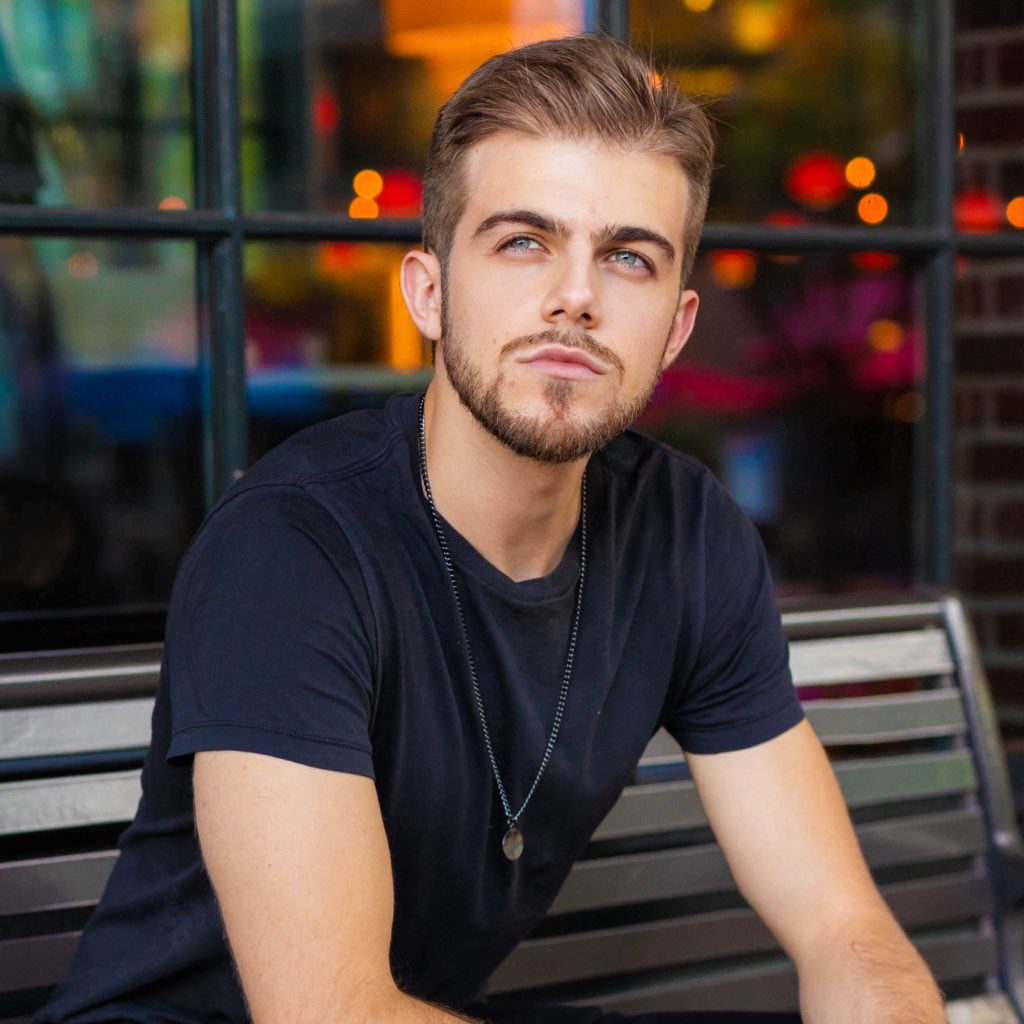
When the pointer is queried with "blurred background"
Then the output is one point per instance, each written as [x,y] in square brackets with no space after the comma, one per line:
[203,207]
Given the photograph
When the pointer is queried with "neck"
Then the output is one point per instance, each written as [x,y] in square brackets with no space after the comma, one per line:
[518,513]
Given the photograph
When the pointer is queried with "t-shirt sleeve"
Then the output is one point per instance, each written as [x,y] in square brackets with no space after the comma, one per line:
[269,636]
[739,692]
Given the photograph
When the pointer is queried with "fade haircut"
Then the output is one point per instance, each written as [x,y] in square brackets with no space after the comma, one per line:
[577,88]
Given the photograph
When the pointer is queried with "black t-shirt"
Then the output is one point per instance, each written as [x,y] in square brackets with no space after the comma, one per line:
[311,619]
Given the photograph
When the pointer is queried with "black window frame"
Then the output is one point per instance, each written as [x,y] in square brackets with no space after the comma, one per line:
[219,227]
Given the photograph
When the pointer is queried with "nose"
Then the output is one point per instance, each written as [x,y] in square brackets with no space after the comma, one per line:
[572,299]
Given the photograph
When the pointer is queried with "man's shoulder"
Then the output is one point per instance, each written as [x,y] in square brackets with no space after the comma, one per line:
[345,445]
[309,481]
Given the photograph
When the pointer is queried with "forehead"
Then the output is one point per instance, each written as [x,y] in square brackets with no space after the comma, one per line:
[585,183]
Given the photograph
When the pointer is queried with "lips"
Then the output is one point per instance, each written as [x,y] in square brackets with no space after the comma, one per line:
[559,361]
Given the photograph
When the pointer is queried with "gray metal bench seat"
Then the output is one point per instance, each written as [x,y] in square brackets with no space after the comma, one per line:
[649,919]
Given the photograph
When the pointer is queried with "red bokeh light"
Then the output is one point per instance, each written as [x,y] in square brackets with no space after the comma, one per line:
[326,112]
[402,194]
[874,261]
[977,210]
[817,180]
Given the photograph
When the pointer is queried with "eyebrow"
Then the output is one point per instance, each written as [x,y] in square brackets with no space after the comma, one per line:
[610,234]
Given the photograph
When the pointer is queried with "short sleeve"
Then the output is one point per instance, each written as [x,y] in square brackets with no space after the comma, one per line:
[269,636]
[740,691]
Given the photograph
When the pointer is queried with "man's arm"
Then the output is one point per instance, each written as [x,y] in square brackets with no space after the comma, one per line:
[780,818]
[300,864]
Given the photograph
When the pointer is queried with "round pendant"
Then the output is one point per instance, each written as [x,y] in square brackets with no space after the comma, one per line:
[512,844]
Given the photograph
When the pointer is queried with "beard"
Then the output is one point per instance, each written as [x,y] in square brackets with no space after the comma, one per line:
[560,436]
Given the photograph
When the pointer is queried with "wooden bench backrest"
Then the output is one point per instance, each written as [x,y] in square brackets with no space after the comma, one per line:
[649,918]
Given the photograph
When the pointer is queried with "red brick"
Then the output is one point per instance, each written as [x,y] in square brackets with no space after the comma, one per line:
[1012,175]
[967,519]
[1010,63]
[969,298]
[996,124]
[998,462]
[969,408]
[1010,295]
[1009,408]
[1010,629]
[984,353]
[1009,521]
[1007,684]
[990,574]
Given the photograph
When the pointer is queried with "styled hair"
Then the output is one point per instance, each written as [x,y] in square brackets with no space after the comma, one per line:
[578,87]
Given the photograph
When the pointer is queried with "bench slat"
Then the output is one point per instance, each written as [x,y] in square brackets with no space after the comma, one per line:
[55,676]
[76,728]
[773,987]
[54,883]
[865,782]
[666,874]
[906,716]
[611,951]
[862,659]
[839,720]
[43,804]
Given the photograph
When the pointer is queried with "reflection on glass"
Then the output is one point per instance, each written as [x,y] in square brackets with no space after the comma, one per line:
[326,331]
[813,100]
[332,90]
[99,422]
[989,77]
[800,389]
[94,103]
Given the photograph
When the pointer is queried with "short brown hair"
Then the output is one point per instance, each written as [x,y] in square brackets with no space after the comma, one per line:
[578,87]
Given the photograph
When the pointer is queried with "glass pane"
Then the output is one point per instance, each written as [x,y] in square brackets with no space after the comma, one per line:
[989,467]
[335,87]
[326,331]
[990,112]
[800,388]
[813,101]
[94,103]
[99,423]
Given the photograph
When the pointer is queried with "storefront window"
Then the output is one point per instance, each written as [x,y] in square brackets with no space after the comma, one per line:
[99,422]
[332,89]
[814,102]
[94,103]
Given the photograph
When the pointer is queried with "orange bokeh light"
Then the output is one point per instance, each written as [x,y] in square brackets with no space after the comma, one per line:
[368,184]
[1015,211]
[885,336]
[873,208]
[733,268]
[83,264]
[362,208]
[173,203]
[860,172]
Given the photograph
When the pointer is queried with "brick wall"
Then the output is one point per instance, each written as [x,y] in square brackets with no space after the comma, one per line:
[989,453]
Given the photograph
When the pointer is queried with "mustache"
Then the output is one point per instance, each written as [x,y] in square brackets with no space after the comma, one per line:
[569,339]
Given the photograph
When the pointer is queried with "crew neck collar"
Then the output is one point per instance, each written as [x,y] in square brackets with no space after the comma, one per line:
[554,586]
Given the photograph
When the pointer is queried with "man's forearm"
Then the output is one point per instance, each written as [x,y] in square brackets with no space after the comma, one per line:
[395,1007]
[867,972]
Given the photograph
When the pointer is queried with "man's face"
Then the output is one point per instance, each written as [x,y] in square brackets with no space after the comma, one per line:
[562,303]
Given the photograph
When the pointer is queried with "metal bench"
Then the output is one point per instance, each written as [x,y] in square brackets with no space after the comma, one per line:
[649,919]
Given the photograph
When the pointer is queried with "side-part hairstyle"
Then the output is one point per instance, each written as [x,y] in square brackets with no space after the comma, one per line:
[578,87]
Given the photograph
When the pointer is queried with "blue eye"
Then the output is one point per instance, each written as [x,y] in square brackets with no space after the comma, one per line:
[630,259]
[520,243]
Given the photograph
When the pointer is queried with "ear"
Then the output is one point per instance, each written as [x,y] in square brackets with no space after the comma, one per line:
[682,326]
[421,289]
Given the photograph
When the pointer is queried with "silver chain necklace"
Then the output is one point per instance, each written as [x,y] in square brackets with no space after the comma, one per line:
[512,843]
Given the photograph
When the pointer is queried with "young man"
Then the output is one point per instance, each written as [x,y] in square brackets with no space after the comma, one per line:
[412,657]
